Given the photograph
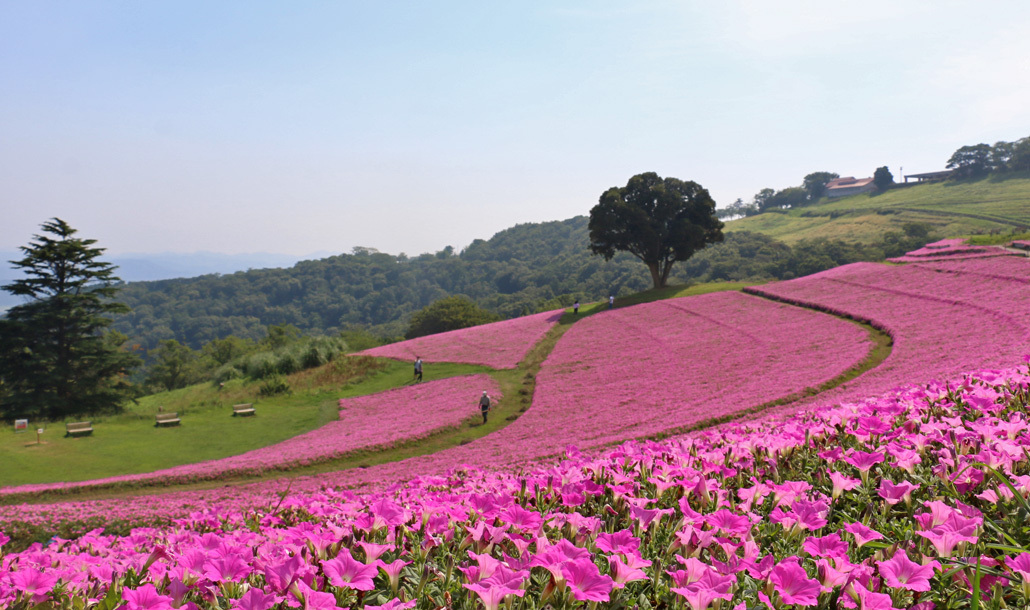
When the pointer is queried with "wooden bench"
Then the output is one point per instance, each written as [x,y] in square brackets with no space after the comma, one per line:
[244,409]
[167,419]
[80,427]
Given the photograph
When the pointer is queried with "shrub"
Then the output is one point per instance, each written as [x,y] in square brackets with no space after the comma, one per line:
[273,386]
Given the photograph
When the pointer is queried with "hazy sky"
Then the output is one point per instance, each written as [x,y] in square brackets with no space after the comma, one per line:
[298,127]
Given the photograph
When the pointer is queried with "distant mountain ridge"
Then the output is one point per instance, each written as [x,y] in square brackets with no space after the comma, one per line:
[143,267]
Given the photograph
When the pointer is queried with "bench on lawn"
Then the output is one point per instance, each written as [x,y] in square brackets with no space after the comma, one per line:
[244,409]
[167,419]
[79,427]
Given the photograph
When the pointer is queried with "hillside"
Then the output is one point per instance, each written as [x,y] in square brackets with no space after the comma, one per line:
[1000,203]
[898,481]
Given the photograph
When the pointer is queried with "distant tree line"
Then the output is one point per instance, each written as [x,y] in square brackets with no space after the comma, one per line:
[977,160]
[811,190]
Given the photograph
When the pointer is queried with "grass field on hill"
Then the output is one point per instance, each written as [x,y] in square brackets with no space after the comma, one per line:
[129,443]
[972,207]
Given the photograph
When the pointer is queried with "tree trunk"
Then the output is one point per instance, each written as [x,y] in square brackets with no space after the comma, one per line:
[658,276]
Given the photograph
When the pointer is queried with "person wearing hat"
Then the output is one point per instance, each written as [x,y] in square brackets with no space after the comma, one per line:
[484,405]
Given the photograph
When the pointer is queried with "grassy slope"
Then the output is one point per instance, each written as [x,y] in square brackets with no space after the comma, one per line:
[950,208]
[129,443]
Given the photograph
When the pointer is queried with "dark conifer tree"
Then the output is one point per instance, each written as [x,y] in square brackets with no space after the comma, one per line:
[57,359]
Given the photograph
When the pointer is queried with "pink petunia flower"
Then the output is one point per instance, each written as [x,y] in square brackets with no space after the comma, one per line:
[902,492]
[621,541]
[1020,564]
[623,572]
[793,584]
[34,582]
[501,584]
[345,571]
[586,582]
[146,597]
[901,572]
[863,460]
[255,599]
[316,600]
[830,545]
[373,550]
[862,533]
[711,586]
[842,483]
[227,568]
[869,600]
[393,571]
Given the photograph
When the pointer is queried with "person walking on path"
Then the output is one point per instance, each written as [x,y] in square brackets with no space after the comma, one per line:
[484,405]
[611,301]
[418,369]
[575,307]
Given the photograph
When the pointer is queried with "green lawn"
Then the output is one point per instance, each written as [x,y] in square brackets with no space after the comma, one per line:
[130,443]
[951,209]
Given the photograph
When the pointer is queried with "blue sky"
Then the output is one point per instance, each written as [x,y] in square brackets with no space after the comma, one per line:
[300,127]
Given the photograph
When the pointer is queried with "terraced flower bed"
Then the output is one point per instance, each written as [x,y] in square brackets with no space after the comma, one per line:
[907,500]
[950,249]
[500,345]
[670,364]
[942,323]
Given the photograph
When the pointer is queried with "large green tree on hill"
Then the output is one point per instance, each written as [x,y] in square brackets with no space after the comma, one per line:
[57,360]
[658,220]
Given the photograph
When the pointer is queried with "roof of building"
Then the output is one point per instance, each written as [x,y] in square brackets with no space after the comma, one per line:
[848,183]
[939,174]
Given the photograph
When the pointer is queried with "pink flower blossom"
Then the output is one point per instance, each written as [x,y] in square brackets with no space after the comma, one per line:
[256,599]
[586,582]
[146,597]
[344,571]
[902,492]
[862,533]
[700,593]
[901,572]
[830,545]
[793,584]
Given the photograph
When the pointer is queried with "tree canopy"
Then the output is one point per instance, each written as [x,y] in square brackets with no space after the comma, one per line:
[451,313]
[970,161]
[658,220]
[815,183]
[883,178]
[57,358]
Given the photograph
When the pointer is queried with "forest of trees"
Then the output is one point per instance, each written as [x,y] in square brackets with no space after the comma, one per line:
[524,269]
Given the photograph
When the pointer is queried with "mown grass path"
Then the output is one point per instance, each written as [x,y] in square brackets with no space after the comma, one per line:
[517,386]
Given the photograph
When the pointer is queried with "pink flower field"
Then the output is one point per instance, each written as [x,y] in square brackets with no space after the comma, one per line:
[1011,269]
[906,500]
[948,249]
[944,319]
[367,422]
[650,368]
[500,345]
